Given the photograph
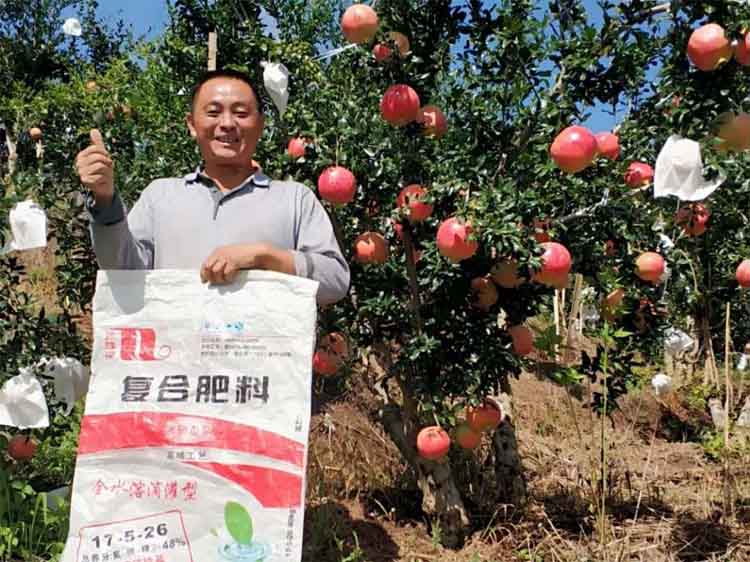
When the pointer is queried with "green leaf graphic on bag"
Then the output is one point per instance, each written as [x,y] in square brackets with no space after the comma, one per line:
[239,523]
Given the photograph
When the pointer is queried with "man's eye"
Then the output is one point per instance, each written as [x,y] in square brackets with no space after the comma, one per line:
[213,113]
[242,114]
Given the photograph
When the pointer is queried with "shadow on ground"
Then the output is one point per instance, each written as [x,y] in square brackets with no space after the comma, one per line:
[332,535]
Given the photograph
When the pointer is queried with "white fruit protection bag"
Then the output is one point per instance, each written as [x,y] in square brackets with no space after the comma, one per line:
[193,446]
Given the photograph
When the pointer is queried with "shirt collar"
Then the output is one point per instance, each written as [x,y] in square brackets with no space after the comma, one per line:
[258,178]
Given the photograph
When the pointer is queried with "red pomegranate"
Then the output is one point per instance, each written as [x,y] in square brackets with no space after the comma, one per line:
[485,417]
[523,339]
[453,240]
[639,174]
[433,443]
[412,196]
[466,437]
[574,149]
[608,145]
[742,50]
[433,120]
[693,219]
[734,129]
[337,185]
[359,23]
[650,267]
[296,148]
[22,447]
[505,274]
[400,105]
[556,263]
[743,274]
[324,363]
[371,247]
[383,51]
[709,47]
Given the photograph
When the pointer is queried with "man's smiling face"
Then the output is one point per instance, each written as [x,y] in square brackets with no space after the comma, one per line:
[226,122]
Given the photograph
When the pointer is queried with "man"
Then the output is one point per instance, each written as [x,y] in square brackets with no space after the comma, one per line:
[225,217]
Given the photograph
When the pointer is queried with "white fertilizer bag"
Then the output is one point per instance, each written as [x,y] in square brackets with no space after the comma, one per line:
[193,446]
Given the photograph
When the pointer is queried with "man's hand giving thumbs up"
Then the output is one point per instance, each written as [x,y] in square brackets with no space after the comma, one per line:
[95,167]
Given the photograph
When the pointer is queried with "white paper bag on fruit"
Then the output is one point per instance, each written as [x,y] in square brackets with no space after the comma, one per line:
[22,402]
[676,341]
[679,171]
[276,82]
[71,379]
[193,445]
[28,226]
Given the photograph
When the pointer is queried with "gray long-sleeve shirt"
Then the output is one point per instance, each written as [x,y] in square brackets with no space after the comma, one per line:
[178,222]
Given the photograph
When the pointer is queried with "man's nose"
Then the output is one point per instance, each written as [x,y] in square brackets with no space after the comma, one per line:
[226,119]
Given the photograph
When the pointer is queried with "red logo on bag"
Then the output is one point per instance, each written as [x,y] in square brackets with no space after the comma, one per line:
[133,344]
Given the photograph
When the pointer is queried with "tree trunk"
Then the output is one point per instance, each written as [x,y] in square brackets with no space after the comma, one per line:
[441,500]
[511,484]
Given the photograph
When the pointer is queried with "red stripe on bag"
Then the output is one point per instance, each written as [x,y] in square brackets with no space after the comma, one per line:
[135,430]
[271,487]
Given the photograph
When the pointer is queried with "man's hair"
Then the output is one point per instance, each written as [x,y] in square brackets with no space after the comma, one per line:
[227,73]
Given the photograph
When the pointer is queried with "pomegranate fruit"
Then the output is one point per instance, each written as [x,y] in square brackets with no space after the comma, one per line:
[556,263]
[485,292]
[639,174]
[485,417]
[400,105]
[505,274]
[433,121]
[693,219]
[21,447]
[383,51]
[523,339]
[359,23]
[574,149]
[743,274]
[296,148]
[433,443]
[453,240]
[649,267]
[371,247]
[608,145]
[466,437]
[337,185]
[734,130]
[742,50]
[412,197]
[709,47]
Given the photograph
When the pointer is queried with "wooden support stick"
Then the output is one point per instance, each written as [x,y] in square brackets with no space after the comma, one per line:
[212,48]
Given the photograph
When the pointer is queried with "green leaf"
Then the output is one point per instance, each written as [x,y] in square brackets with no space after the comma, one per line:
[239,523]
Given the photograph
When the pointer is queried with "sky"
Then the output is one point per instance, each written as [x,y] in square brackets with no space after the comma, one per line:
[148,17]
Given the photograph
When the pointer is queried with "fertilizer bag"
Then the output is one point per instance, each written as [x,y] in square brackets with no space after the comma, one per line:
[193,445]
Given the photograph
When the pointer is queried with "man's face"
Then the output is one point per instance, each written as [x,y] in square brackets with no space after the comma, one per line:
[226,122]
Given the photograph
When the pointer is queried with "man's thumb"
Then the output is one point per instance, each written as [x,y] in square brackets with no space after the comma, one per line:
[96,138]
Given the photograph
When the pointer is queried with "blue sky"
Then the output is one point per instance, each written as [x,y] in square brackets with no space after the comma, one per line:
[148,17]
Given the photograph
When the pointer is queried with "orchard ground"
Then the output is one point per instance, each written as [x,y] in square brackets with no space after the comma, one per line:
[666,495]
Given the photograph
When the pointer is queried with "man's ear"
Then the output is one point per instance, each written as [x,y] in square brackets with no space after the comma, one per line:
[191,125]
